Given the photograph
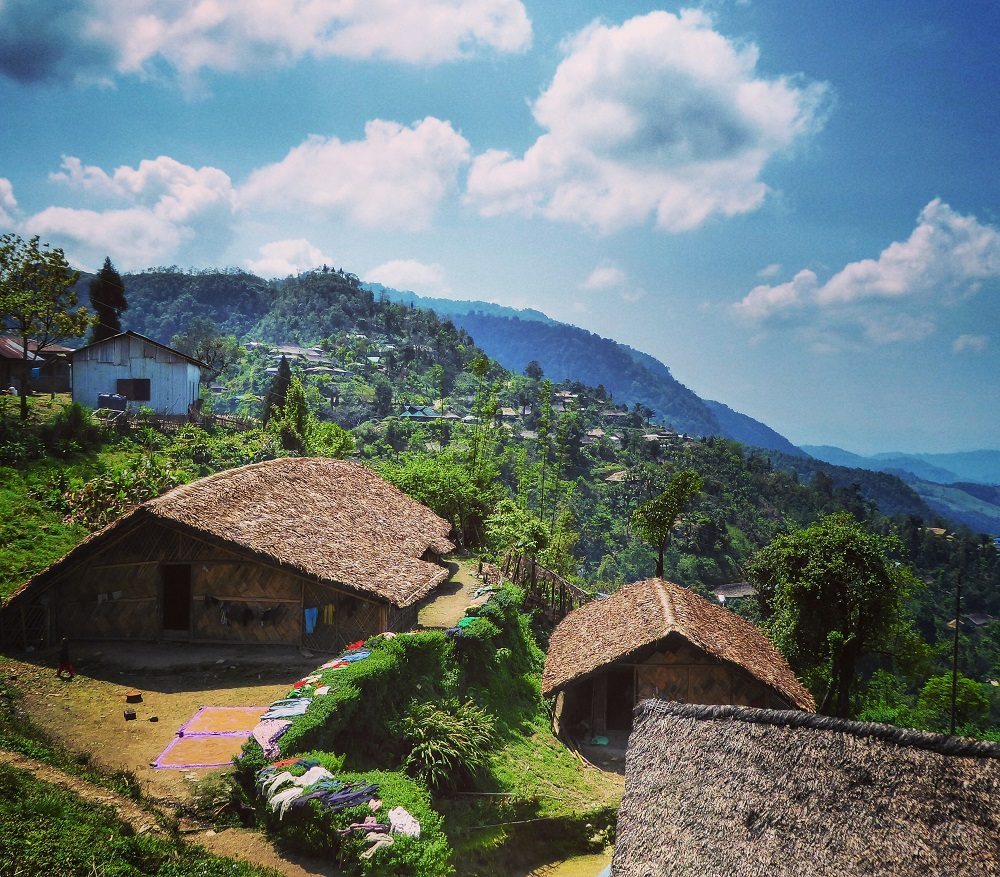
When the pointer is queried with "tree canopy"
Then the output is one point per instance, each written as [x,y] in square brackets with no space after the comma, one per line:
[829,595]
[37,299]
[107,297]
[656,518]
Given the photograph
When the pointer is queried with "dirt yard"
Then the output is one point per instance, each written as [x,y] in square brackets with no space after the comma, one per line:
[87,713]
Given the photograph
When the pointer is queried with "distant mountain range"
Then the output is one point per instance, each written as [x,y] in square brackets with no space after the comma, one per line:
[516,337]
[978,467]
[961,486]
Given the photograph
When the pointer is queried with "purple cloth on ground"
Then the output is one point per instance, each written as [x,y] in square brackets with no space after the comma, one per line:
[268,732]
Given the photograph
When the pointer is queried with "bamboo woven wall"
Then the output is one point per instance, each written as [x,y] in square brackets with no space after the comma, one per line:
[101,601]
[340,618]
[245,602]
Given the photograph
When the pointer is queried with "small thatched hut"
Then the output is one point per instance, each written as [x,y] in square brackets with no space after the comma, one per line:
[656,639]
[722,791]
[297,551]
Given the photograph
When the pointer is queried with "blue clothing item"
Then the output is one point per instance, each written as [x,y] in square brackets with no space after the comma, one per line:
[356,656]
[312,616]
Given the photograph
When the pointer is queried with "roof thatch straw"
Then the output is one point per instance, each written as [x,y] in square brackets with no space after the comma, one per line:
[331,520]
[604,631]
[724,791]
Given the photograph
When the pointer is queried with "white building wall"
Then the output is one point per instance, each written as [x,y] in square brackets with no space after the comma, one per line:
[174,383]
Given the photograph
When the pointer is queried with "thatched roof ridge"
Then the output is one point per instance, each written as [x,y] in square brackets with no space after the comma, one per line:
[790,794]
[604,631]
[334,521]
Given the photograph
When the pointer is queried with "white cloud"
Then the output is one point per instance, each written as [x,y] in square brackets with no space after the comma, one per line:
[661,116]
[605,276]
[281,258]
[947,252]
[896,328]
[765,301]
[410,275]
[167,205]
[8,203]
[397,176]
[46,39]
[970,343]
[769,271]
[947,257]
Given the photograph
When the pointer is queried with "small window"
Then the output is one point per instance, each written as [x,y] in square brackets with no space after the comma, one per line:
[134,389]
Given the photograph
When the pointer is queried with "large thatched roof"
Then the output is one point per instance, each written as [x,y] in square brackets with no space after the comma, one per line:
[640,614]
[331,520]
[723,791]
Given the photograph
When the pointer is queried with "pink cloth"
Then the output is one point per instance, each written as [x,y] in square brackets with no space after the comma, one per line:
[268,732]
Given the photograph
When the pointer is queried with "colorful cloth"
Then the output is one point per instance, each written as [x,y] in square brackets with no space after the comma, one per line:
[268,732]
[311,616]
[357,656]
[287,709]
[401,822]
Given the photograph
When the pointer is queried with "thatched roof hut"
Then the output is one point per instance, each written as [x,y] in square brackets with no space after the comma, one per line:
[663,640]
[723,791]
[256,534]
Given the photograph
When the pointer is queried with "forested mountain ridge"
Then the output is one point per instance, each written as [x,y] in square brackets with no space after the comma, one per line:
[657,390]
[313,305]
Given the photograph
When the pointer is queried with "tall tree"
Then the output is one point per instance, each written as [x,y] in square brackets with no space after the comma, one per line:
[107,297]
[37,300]
[656,518]
[831,594]
[275,399]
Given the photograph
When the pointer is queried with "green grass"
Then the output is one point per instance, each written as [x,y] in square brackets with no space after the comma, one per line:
[45,830]
[32,533]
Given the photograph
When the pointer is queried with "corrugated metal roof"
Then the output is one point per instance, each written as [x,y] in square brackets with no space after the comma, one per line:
[10,349]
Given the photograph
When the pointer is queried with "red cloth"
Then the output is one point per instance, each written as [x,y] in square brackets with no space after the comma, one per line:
[301,684]
[353,647]
[285,762]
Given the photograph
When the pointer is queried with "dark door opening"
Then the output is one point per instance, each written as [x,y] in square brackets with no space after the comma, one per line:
[177,597]
[621,698]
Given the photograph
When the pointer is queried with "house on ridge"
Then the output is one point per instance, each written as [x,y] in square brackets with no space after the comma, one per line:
[142,370]
[308,552]
[655,639]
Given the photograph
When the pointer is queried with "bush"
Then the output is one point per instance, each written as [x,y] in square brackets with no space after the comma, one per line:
[313,828]
[448,745]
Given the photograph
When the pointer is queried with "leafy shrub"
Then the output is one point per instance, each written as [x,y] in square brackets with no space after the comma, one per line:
[71,430]
[447,745]
[108,496]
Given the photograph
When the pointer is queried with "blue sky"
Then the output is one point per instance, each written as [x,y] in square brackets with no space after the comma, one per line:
[795,206]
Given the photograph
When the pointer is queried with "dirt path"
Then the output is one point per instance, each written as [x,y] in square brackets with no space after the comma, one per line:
[254,847]
[142,821]
[453,597]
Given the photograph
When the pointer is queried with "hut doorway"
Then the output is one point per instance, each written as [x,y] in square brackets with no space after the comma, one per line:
[176,598]
[621,698]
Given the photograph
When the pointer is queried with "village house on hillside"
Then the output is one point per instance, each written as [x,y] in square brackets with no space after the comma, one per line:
[722,791]
[655,639]
[144,371]
[297,551]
